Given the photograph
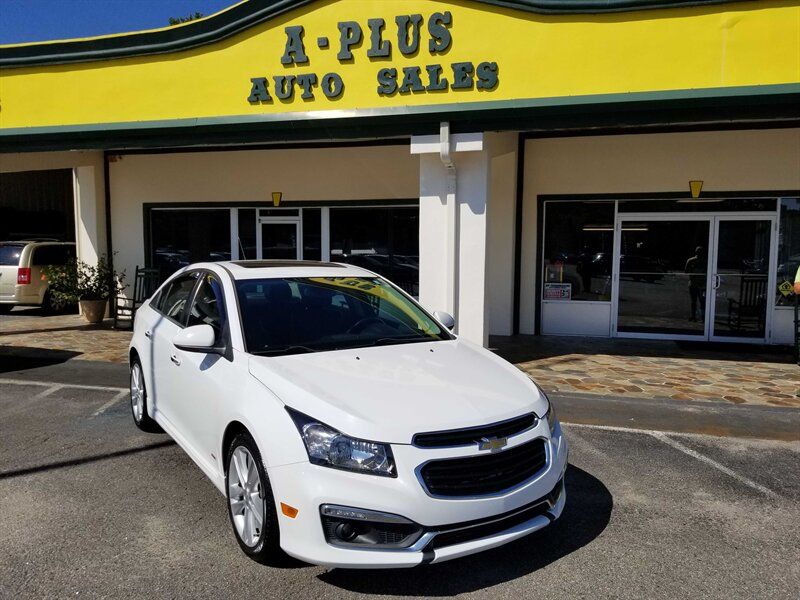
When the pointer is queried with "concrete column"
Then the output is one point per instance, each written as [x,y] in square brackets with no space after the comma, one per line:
[480,180]
[89,214]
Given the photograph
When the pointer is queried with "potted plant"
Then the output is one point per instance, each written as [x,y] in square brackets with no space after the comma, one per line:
[90,286]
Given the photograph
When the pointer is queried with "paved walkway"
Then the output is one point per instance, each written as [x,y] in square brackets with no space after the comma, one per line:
[682,371]
[592,366]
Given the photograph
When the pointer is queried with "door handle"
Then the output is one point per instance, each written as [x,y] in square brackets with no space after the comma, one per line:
[148,334]
[174,358]
[717,281]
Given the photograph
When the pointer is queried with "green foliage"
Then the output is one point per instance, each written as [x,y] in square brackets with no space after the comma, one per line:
[78,280]
[186,19]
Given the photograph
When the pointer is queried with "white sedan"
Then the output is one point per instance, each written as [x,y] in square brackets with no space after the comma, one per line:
[346,425]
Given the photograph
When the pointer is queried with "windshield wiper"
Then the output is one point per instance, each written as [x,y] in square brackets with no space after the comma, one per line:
[280,350]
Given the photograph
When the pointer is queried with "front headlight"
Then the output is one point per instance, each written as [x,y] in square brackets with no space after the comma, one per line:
[330,448]
[550,414]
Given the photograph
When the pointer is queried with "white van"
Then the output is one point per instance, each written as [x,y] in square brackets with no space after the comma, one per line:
[21,264]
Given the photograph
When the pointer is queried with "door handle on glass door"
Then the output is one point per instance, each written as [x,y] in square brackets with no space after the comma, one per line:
[717,281]
[174,358]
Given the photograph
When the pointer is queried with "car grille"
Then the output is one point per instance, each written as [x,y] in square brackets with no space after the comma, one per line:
[485,473]
[461,533]
[470,435]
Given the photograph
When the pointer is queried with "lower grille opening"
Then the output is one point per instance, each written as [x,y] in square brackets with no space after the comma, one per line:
[464,532]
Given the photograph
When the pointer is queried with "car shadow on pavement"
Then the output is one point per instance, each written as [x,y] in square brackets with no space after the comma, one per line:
[586,515]
[22,358]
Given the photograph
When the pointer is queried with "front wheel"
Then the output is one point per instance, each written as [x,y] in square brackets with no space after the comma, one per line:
[251,507]
[139,400]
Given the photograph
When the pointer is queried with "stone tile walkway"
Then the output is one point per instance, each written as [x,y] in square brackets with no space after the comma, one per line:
[28,331]
[630,368]
[657,369]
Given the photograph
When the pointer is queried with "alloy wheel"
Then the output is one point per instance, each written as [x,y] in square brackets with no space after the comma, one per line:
[137,392]
[244,493]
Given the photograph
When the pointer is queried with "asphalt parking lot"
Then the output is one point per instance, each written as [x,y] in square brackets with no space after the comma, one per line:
[91,507]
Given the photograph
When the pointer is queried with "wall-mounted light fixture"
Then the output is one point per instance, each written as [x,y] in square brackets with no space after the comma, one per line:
[695,187]
[276,198]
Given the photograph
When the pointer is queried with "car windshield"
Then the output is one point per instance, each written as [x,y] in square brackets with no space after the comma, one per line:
[10,253]
[314,314]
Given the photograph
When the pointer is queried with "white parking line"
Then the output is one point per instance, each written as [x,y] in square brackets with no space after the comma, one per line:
[663,436]
[47,392]
[110,403]
[62,385]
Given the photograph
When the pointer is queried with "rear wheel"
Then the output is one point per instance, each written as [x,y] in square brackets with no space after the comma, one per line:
[47,303]
[139,400]
[251,507]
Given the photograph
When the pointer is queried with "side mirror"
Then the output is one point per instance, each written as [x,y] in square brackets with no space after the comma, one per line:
[197,338]
[445,319]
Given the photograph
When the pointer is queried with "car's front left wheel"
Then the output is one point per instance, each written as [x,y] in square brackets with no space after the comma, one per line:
[139,400]
[251,507]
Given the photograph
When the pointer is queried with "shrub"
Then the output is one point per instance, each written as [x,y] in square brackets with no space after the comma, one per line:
[78,280]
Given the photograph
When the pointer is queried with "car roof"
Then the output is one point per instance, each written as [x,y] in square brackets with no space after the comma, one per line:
[268,269]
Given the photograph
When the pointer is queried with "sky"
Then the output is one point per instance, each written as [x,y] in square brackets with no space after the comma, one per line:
[37,20]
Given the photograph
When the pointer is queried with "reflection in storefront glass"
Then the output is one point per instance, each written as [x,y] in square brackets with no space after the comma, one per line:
[578,251]
[663,277]
[383,240]
[184,236]
[788,249]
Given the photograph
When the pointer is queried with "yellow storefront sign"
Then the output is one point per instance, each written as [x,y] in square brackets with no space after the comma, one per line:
[351,57]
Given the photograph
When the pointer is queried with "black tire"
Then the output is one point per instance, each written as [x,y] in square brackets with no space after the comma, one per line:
[140,417]
[267,549]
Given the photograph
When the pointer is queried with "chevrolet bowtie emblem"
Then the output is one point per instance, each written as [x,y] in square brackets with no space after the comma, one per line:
[492,444]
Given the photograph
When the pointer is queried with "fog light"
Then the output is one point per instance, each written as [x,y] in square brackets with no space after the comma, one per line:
[347,526]
[345,532]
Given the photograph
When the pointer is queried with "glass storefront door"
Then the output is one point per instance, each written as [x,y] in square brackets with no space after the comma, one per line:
[279,239]
[741,278]
[693,277]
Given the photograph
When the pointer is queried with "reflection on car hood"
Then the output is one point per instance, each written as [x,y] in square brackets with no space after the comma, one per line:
[389,393]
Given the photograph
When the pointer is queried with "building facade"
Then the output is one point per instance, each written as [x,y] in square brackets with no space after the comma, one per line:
[628,168]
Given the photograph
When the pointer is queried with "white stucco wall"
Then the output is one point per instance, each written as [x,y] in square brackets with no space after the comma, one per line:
[750,160]
[308,174]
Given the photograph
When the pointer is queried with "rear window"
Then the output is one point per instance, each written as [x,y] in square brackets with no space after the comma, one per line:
[10,253]
[53,255]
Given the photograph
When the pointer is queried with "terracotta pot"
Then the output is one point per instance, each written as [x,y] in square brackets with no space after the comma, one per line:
[93,310]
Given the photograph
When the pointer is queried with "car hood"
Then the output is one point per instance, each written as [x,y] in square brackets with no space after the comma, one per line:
[389,393]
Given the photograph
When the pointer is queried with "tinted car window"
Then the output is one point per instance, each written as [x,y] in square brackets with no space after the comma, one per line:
[314,314]
[53,255]
[10,253]
[176,296]
[208,307]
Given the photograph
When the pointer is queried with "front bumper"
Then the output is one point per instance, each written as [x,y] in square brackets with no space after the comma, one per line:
[452,527]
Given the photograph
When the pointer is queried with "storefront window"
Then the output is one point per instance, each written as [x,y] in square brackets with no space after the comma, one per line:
[247,233]
[578,249]
[312,238]
[788,249]
[383,240]
[180,237]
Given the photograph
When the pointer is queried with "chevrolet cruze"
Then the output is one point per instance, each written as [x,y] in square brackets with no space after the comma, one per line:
[346,425]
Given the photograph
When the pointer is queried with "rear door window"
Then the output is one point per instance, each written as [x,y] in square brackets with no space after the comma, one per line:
[10,254]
